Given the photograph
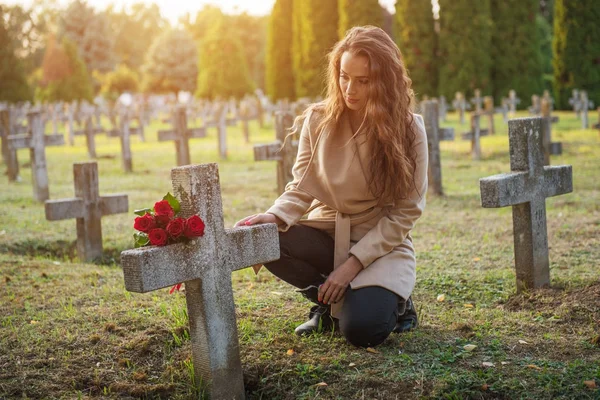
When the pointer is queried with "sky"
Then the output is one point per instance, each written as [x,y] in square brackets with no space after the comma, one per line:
[173,9]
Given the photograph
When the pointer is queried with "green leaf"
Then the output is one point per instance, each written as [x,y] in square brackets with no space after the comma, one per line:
[142,211]
[141,239]
[173,202]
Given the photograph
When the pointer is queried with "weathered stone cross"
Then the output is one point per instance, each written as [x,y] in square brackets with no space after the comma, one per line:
[285,156]
[181,135]
[513,101]
[88,207]
[434,172]
[585,104]
[550,147]
[460,105]
[7,125]
[477,100]
[90,134]
[575,102]
[526,189]
[205,265]
[36,142]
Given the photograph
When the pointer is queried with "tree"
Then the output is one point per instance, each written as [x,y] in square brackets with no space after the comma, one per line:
[315,32]
[135,32]
[464,46]
[417,40]
[218,53]
[91,33]
[123,79]
[358,13]
[171,64]
[279,69]
[515,49]
[576,46]
[56,86]
[252,32]
[13,83]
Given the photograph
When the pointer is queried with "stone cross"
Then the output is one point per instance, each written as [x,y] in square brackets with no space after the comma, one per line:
[36,142]
[205,265]
[247,111]
[575,101]
[475,136]
[443,108]
[434,173]
[475,125]
[181,135]
[513,101]
[526,189]
[534,109]
[476,100]
[584,104]
[550,148]
[221,121]
[88,207]
[460,106]
[546,96]
[9,155]
[489,110]
[125,141]
[504,109]
[70,114]
[285,156]
[90,135]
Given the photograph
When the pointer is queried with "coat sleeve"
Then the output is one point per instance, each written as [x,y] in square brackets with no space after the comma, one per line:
[391,230]
[294,203]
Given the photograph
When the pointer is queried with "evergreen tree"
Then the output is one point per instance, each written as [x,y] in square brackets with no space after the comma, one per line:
[252,32]
[545,34]
[464,47]
[515,49]
[223,69]
[171,64]
[279,68]
[358,13]
[315,32]
[13,84]
[417,40]
[576,46]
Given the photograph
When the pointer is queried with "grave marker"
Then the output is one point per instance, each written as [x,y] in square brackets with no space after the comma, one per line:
[88,207]
[575,101]
[584,104]
[36,142]
[475,136]
[526,189]
[205,265]
[513,101]
[434,172]
[181,135]
[460,105]
[534,109]
[285,156]
[9,155]
[489,110]
[550,148]
[477,100]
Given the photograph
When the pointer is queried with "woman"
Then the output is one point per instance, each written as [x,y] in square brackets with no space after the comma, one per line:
[361,175]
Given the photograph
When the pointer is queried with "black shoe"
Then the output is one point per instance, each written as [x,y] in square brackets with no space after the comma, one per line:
[319,320]
[407,317]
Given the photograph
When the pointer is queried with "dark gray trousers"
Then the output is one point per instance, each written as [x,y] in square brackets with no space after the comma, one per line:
[368,315]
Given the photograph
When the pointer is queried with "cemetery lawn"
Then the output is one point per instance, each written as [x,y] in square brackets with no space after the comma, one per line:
[70,330]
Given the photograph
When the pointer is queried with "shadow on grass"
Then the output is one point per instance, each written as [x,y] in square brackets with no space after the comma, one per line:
[58,250]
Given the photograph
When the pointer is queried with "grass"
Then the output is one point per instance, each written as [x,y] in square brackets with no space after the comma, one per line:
[70,330]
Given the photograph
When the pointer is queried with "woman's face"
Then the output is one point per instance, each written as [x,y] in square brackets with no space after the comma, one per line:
[354,80]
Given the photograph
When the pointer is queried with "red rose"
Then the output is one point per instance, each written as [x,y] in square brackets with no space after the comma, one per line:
[144,223]
[195,226]
[158,237]
[163,208]
[176,227]
[162,220]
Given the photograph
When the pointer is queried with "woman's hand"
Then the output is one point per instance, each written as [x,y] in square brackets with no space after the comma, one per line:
[335,286]
[259,219]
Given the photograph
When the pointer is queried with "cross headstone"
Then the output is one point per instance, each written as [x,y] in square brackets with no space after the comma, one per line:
[546,96]
[550,148]
[504,109]
[36,142]
[90,134]
[460,105]
[584,104]
[526,189]
[443,106]
[534,109]
[181,135]
[575,101]
[9,155]
[70,114]
[475,125]
[221,121]
[475,136]
[513,101]
[88,207]
[477,100]
[285,156]
[125,140]
[205,265]
[434,172]
[248,111]
[489,110]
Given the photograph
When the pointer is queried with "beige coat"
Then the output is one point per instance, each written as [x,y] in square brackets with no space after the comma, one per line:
[330,183]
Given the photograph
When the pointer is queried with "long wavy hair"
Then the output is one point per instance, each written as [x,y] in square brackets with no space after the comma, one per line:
[388,118]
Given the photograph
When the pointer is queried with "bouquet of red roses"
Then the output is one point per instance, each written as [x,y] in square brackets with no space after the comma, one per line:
[160,225]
